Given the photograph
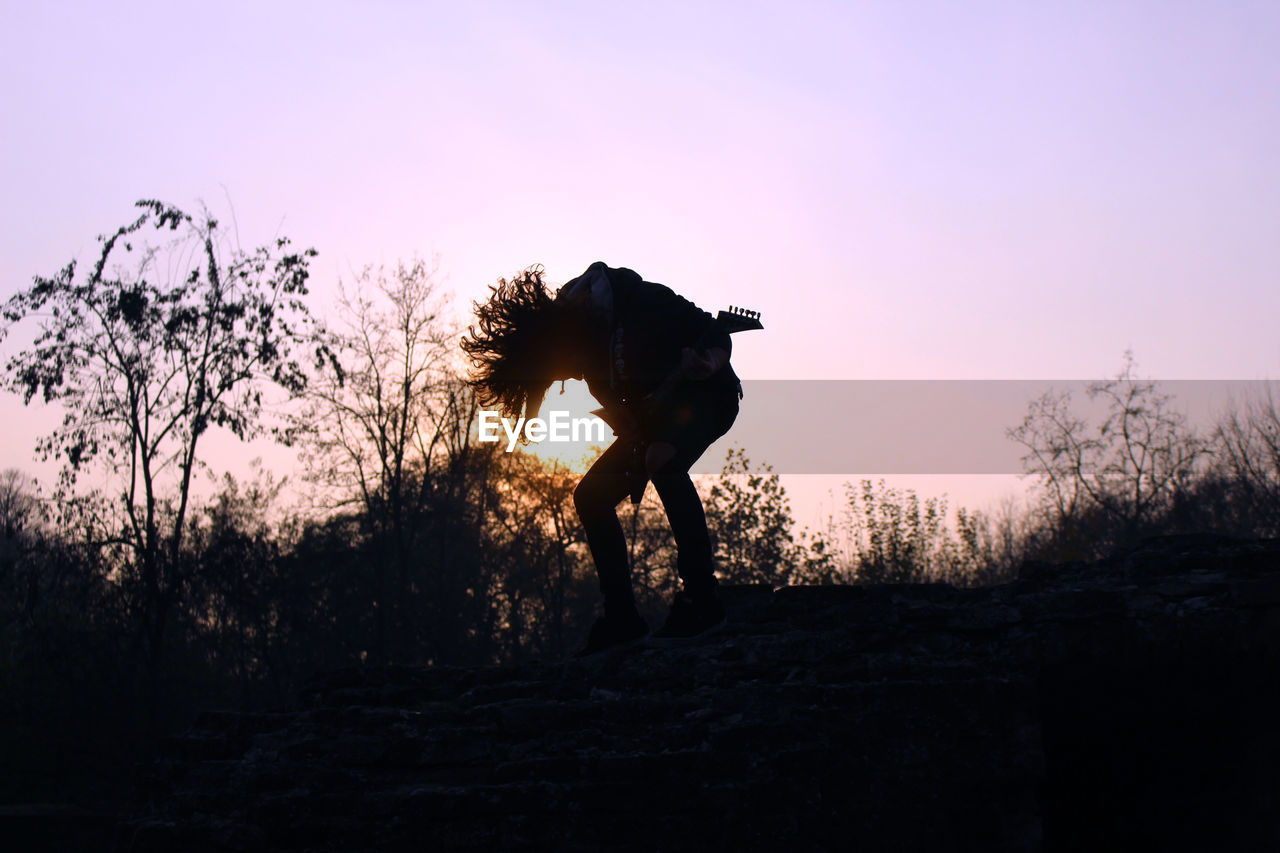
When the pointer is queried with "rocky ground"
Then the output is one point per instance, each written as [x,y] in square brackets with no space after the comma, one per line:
[1128,704]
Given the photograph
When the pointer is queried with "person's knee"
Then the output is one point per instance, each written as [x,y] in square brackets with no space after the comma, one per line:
[656,458]
[585,500]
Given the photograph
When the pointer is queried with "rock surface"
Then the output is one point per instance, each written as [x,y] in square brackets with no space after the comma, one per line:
[1130,703]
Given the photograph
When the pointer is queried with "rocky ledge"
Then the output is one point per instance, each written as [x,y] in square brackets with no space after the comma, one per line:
[1130,703]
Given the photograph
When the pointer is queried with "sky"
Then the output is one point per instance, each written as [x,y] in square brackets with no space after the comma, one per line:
[986,190]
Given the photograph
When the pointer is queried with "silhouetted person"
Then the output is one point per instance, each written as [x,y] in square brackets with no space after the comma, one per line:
[659,366]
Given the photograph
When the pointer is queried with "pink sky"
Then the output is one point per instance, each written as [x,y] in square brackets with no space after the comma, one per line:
[905,190]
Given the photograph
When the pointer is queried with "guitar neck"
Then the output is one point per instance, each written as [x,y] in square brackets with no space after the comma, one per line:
[739,320]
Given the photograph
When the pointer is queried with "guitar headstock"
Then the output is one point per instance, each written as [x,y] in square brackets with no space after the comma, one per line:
[739,320]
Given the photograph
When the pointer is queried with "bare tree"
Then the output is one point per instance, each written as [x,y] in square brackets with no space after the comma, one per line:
[18,504]
[1116,478]
[146,353]
[1247,448]
[19,515]
[378,431]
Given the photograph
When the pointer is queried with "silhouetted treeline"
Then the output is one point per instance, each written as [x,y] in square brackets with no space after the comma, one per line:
[124,610]
[1140,470]
[127,607]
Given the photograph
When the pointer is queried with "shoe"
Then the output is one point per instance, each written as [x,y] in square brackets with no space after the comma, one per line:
[614,631]
[690,618]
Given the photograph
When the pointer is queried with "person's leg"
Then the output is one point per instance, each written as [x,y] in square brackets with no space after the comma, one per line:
[596,498]
[688,520]
[696,424]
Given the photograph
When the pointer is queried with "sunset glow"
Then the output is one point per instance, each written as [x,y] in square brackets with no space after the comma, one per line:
[903,190]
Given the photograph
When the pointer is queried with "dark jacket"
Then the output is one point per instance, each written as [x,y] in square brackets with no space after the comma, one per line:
[636,333]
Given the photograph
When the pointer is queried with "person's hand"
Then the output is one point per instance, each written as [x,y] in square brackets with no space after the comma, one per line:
[695,366]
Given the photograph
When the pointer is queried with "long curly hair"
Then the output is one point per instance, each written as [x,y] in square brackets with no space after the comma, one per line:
[512,345]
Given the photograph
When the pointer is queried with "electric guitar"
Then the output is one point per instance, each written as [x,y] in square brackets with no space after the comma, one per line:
[739,320]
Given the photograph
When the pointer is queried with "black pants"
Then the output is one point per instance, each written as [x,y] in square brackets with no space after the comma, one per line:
[691,421]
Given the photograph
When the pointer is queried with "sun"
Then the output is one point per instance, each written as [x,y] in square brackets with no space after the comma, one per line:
[577,404]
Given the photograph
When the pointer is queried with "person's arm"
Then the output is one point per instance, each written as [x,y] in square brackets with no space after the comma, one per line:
[703,345]
[695,365]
